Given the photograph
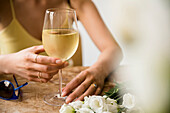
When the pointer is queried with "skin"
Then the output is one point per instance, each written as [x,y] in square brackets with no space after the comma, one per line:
[80,86]
[28,68]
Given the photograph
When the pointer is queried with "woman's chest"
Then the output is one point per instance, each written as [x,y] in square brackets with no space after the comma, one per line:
[30,14]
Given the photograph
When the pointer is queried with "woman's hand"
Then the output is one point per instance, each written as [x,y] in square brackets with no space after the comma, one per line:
[88,82]
[28,64]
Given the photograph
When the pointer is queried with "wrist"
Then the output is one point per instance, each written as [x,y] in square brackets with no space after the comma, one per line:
[99,70]
[3,63]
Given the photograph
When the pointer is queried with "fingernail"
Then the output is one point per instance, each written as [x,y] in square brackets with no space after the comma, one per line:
[58,61]
[63,94]
[68,100]
[63,88]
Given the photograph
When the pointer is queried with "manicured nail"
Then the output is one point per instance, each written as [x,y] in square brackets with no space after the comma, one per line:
[68,100]
[63,94]
[58,61]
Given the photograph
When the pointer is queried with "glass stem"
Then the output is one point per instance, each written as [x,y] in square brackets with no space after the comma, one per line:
[60,82]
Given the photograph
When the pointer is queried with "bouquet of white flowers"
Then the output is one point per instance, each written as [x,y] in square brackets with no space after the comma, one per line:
[91,104]
[113,102]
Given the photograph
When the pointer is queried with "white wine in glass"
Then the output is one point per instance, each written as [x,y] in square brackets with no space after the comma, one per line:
[60,40]
[66,41]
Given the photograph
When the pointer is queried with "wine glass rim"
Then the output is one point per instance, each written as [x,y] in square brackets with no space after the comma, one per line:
[58,10]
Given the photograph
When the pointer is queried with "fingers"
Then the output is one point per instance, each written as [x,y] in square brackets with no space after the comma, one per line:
[38,76]
[29,64]
[86,83]
[98,91]
[78,91]
[37,79]
[43,59]
[66,63]
[32,52]
[40,59]
[90,91]
[47,76]
[47,60]
[42,68]
[74,83]
[36,49]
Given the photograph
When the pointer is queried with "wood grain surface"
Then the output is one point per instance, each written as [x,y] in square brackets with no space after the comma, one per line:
[31,100]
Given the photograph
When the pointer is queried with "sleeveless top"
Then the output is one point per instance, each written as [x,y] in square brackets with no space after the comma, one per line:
[14,38]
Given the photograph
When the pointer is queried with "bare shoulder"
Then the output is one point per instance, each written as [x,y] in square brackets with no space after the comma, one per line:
[5,13]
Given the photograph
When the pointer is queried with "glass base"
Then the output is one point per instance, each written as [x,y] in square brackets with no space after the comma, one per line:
[54,99]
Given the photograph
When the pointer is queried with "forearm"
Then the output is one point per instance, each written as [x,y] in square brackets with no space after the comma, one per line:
[93,23]
[108,60]
[110,51]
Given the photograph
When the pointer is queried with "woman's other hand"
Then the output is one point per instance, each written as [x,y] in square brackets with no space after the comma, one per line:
[88,82]
[28,64]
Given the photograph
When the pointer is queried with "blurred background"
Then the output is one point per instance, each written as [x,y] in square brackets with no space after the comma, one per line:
[142,28]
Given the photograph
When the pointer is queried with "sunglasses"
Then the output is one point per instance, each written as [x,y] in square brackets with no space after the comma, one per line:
[7,89]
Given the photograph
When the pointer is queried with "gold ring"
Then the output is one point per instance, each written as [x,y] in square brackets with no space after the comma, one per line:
[36,58]
[95,85]
[39,75]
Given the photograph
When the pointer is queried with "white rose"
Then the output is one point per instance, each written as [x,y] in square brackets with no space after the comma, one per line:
[86,100]
[85,110]
[105,96]
[110,108]
[66,109]
[76,105]
[111,101]
[85,106]
[96,103]
[128,101]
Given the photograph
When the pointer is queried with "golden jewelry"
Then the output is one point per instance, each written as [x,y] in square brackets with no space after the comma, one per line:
[95,85]
[39,75]
[36,58]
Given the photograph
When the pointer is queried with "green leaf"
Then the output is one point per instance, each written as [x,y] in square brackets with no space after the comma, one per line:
[117,92]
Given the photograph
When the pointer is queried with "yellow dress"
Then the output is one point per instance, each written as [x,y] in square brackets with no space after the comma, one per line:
[14,38]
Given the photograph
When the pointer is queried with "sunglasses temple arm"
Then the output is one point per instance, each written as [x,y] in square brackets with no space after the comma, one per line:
[21,86]
[15,80]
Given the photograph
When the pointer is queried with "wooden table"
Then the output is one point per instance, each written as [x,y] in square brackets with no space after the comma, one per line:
[32,94]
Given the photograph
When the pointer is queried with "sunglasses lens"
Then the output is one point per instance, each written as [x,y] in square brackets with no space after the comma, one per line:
[6,89]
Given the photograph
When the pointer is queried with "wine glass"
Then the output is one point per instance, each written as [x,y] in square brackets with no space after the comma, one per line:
[60,39]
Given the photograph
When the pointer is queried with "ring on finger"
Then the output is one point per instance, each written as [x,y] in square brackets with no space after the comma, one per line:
[36,57]
[94,85]
[39,75]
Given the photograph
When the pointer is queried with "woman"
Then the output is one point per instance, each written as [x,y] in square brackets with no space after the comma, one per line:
[20,28]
